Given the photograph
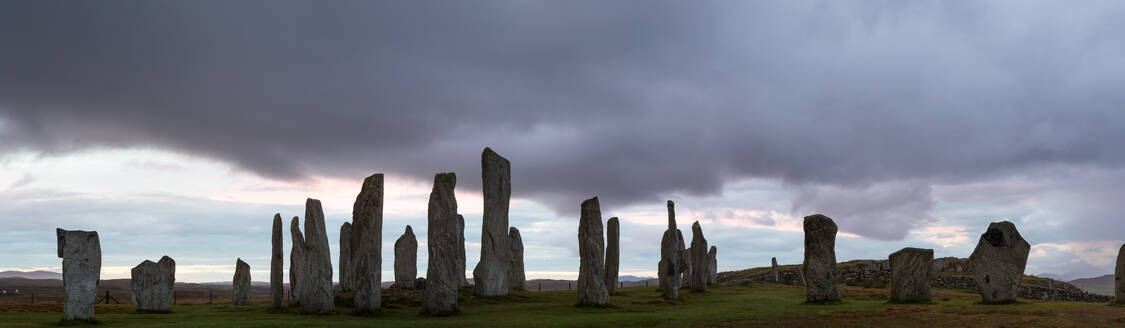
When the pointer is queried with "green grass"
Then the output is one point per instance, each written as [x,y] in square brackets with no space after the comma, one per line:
[636,306]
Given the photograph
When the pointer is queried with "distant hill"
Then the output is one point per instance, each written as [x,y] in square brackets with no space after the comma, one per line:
[1099,285]
[633,278]
[40,274]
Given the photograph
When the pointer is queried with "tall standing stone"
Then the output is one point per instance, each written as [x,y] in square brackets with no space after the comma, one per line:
[490,277]
[701,265]
[516,278]
[998,262]
[776,274]
[317,294]
[1119,277]
[367,245]
[296,259]
[820,260]
[241,284]
[460,255]
[668,269]
[152,285]
[406,259]
[612,254]
[345,256]
[443,235]
[713,265]
[591,249]
[911,272]
[82,268]
[277,266]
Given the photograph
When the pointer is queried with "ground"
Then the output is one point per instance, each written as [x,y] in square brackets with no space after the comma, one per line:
[728,306]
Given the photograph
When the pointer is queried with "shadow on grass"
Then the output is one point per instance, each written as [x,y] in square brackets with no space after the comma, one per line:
[79,322]
[152,312]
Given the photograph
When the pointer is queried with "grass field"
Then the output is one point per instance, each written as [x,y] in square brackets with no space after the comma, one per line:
[729,306]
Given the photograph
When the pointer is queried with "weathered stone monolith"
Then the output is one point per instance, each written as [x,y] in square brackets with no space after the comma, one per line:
[443,235]
[406,259]
[152,285]
[241,284]
[1119,277]
[612,254]
[591,250]
[367,245]
[998,262]
[713,267]
[776,273]
[345,256]
[317,294]
[668,270]
[81,252]
[820,260]
[516,278]
[296,260]
[701,263]
[911,272]
[490,277]
[277,265]
[461,251]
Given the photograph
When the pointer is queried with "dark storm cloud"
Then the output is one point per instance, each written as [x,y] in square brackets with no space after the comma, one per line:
[631,101]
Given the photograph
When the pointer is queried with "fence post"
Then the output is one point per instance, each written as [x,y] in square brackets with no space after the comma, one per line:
[32,298]
[540,287]
[567,285]
[646,283]
[173,297]
[210,295]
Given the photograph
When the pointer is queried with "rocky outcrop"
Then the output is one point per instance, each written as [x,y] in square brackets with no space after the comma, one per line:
[152,285]
[516,278]
[277,265]
[701,263]
[367,245]
[241,283]
[612,254]
[317,294]
[998,262]
[296,260]
[668,269]
[443,237]
[911,273]
[490,277]
[81,252]
[591,251]
[345,256]
[820,260]
[713,267]
[406,259]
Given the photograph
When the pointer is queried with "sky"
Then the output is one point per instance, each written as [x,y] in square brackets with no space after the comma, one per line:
[180,128]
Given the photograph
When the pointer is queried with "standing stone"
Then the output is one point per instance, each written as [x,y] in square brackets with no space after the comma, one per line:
[241,284]
[776,274]
[591,249]
[317,294]
[296,260]
[367,245]
[345,256]
[443,237]
[1119,277]
[911,272]
[701,265]
[820,260]
[713,268]
[490,277]
[668,269]
[612,254]
[461,252]
[516,278]
[277,265]
[82,267]
[998,262]
[152,285]
[406,259]
[685,258]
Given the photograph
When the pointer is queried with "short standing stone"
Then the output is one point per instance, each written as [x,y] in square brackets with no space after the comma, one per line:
[461,252]
[277,266]
[317,294]
[911,272]
[345,256]
[296,259]
[612,254]
[686,279]
[516,278]
[241,284]
[152,284]
[591,251]
[490,277]
[713,269]
[82,267]
[776,274]
[998,262]
[367,245]
[820,259]
[406,259]
[1119,277]
[668,269]
[701,263]
[444,233]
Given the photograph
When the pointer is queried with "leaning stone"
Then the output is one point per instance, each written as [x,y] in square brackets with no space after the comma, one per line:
[713,268]
[612,254]
[82,267]
[406,259]
[152,285]
[317,294]
[591,251]
[998,262]
[241,284]
[516,278]
[1119,277]
[701,265]
[345,256]
[490,277]
[443,236]
[820,260]
[776,274]
[367,245]
[668,269]
[296,260]
[277,266]
[911,273]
